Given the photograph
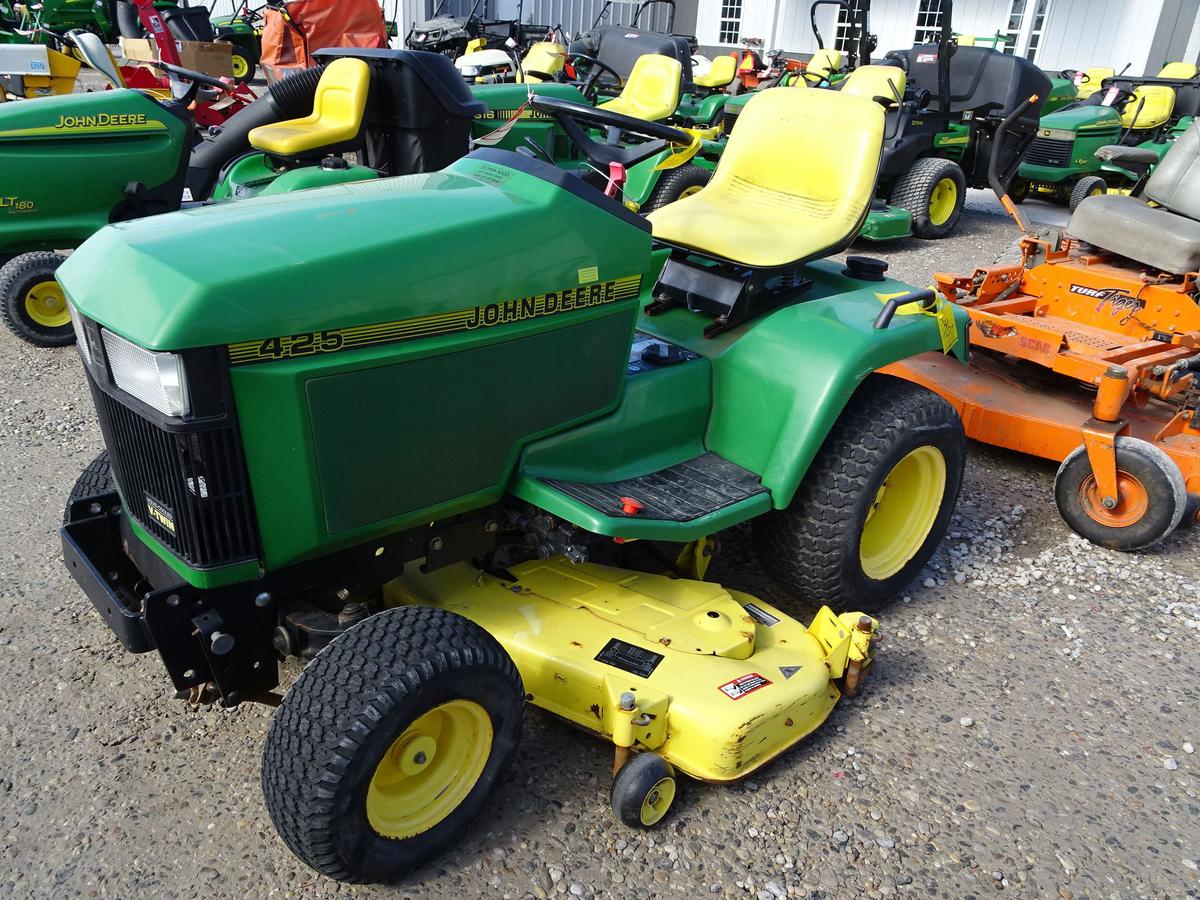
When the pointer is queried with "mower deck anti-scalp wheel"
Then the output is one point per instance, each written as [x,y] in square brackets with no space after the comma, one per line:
[390,742]
[933,191]
[643,790]
[875,502]
[675,184]
[1087,186]
[1151,497]
[32,302]
[94,480]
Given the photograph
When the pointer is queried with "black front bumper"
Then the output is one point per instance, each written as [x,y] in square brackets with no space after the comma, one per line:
[220,636]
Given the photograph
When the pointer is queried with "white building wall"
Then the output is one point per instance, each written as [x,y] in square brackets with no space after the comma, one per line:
[1099,33]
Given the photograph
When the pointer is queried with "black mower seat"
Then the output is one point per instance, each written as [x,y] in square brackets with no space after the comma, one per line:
[1166,236]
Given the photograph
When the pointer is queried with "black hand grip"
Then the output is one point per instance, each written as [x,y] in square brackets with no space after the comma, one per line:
[926,297]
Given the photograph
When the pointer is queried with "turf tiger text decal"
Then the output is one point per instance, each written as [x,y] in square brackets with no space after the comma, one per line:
[506,312]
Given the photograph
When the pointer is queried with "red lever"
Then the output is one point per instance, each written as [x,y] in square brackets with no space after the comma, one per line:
[616,179]
[630,507]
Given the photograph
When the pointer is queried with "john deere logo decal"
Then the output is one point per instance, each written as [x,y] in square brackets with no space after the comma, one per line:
[97,124]
[487,316]
[103,120]
[1120,305]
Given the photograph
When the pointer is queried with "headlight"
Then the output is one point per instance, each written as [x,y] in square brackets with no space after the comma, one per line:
[85,349]
[157,379]
[469,71]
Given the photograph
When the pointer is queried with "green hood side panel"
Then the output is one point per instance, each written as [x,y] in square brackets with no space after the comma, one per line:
[353,254]
[504,101]
[65,162]
[781,382]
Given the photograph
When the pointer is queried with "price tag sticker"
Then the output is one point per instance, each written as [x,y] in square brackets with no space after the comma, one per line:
[947,329]
[1109,96]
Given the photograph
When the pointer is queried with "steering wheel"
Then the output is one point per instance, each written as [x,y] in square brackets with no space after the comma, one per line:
[1124,95]
[590,86]
[573,116]
[899,58]
[1072,74]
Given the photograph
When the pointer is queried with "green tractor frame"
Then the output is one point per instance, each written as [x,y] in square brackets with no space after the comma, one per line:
[463,439]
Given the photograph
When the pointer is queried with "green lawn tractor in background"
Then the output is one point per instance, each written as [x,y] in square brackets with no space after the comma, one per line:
[1143,114]
[463,438]
[85,160]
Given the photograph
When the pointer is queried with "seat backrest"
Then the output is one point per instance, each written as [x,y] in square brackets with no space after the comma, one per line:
[823,64]
[338,106]
[1180,70]
[719,74]
[1150,106]
[1095,77]
[1175,182]
[652,87]
[544,58]
[823,201]
[620,47]
[875,81]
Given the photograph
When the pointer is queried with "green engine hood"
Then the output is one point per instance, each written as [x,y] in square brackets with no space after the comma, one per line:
[486,229]
[1077,117]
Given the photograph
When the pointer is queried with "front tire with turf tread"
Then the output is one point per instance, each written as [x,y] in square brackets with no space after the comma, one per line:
[1085,187]
[17,277]
[913,191]
[93,481]
[674,184]
[343,714]
[812,546]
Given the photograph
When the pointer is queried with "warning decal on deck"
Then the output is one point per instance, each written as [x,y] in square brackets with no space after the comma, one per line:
[630,658]
[743,685]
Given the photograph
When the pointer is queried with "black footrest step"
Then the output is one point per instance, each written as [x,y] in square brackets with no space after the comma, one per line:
[678,493]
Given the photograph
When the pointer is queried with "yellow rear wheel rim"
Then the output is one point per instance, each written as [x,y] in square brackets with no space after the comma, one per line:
[241,66]
[46,305]
[903,512]
[657,801]
[688,191]
[942,201]
[429,770]
[1096,191]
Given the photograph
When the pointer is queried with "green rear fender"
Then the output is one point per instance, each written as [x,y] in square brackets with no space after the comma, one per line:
[779,386]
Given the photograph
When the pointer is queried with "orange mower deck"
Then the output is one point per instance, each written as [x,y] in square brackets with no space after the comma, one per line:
[1085,362]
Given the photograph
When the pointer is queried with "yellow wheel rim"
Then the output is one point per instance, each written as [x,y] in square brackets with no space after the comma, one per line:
[46,305]
[694,189]
[657,801]
[429,770]
[1096,191]
[903,512]
[241,66]
[942,201]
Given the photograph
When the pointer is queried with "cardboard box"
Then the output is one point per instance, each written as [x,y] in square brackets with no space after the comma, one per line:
[214,59]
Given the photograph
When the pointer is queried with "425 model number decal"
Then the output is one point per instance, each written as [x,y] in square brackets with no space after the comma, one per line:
[333,340]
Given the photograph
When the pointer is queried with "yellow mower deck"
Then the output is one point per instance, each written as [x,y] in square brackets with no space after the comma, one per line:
[723,682]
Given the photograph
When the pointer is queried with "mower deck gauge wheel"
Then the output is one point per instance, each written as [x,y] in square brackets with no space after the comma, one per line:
[643,790]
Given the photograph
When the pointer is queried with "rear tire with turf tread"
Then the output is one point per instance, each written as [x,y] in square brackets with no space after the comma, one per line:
[674,184]
[93,481]
[1084,188]
[341,717]
[17,278]
[913,191]
[812,546]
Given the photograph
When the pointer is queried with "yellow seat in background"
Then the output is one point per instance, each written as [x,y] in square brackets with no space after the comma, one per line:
[762,208]
[1150,107]
[875,81]
[1181,70]
[651,91]
[1095,76]
[543,58]
[336,118]
[823,64]
[722,71]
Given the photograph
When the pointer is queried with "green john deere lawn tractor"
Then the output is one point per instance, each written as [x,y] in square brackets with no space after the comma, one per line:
[1075,152]
[463,438]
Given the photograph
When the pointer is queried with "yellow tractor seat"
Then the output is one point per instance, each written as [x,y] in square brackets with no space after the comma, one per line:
[1095,77]
[1181,70]
[823,64]
[1150,107]
[875,83]
[545,58]
[761,209]
[335,121]
[651,91]
[719,74]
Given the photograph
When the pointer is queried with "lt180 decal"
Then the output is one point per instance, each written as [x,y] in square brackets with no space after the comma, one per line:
[489,315]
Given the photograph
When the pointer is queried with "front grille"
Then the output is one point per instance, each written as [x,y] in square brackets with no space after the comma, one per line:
[729,121]
[187,488]
[1050,152]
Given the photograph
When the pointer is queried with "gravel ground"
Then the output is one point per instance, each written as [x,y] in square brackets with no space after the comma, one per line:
[1026,728]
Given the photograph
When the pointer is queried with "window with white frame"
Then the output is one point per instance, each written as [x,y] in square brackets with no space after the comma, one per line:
[929,22]
[846,23]
[729,25]
[1018,23]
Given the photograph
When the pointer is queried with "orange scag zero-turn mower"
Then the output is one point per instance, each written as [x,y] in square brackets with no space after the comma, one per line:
[1088,353]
